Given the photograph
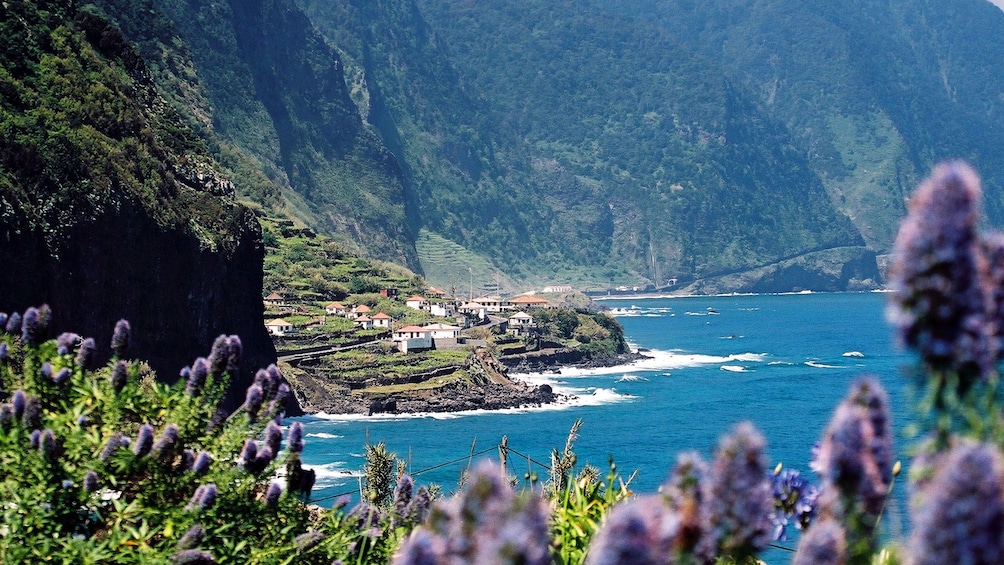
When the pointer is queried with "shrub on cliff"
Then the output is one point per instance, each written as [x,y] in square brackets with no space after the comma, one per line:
[102,464]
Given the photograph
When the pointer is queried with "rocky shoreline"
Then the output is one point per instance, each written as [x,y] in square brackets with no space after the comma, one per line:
[489,388]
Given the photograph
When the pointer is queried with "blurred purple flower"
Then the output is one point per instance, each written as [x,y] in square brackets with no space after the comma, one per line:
[273,493]
[46,371]
[66,342]
[641,531]
[31,327]
[6,416]
[120,375]
[35,438]
[402,497]
[121,338]
[115,442]
[737,501]
[937,305]
[192,538]
[166,444]
[13,323]
[794,498]
[202,462]
[32,415]
[253,400]
[4,352]
[218,355]
[87,354]
[48,445]
[822,544]
[961,512]
[144,440]
[61,376]
[295,439]
[273,436]
[90,481]
[192,557]
[307,541]
[684,496]
[234,352]
[18,403]
[204,497]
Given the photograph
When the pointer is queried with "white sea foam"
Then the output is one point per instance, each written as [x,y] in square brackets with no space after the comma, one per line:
[819,365]
[631,378]
[329,474]
[656,360]
[734,368]
[854,354]
[324,435]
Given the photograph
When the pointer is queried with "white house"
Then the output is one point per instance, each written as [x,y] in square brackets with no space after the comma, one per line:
[279,327]
[417,302]
[520,321]
[335,309]
[381,320]
[474,310]
[443,310]
[494,304]
[412,337]
[443,331]
[364,322]
[360,310]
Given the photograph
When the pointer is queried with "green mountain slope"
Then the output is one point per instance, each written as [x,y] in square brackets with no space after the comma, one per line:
[110,207]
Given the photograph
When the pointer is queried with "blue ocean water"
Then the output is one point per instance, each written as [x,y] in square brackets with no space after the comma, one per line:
[780,361]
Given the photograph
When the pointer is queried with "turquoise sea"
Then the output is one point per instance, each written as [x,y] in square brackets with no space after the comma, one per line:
[780,361]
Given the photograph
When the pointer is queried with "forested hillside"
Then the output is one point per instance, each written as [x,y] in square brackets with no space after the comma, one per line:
[703,146]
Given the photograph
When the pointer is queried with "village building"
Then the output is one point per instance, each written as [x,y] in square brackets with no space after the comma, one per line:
[363,322]
[474,310]
[443,331]
[279,327]
[494,304]
[558,288]
[275,299]
[528,302]
[381,320]
[443,310]
[417,302]
[335,309]
[388,292]
[410,338]
[360,310]
[521,322]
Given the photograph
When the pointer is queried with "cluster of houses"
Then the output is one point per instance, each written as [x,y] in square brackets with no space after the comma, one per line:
[438,335]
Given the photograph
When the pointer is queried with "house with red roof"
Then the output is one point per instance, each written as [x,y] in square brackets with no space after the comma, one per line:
[381,320]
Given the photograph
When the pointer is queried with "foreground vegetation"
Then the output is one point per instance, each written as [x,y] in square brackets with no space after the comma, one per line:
[103,464]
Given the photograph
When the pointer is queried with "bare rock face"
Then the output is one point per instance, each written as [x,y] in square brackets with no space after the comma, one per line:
[177,294]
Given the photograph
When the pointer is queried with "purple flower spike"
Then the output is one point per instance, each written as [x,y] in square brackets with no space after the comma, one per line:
[3,320]
[120,338]
[218,355]
[253,400]
[192,538]
[166,443]
[202,462]
[144,441]
[120,376]
[196,377]
[35,438]
[31,327]
[208,497]
[6,416]
[737,497]
[112,445]
[4,352]
[273,437]
[13,323]
[307,541]
[295,439]
[273,380]
[90,481]
[18,402]
[46,371]
[272,494]
[641,530]
[962,509]
[87,354]
[32,416]
[823,543]
[67,484]
[48,445]
[402,497]
[192,557]
[61,376]
[66,342]
[937,304]
[249,452]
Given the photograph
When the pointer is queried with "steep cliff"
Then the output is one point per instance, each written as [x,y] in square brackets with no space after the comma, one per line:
[109,207]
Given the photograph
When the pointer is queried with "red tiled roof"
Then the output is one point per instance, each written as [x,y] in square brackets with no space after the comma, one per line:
[382,316]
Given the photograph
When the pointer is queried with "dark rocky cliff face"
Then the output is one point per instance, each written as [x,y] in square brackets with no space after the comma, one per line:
[177,295]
